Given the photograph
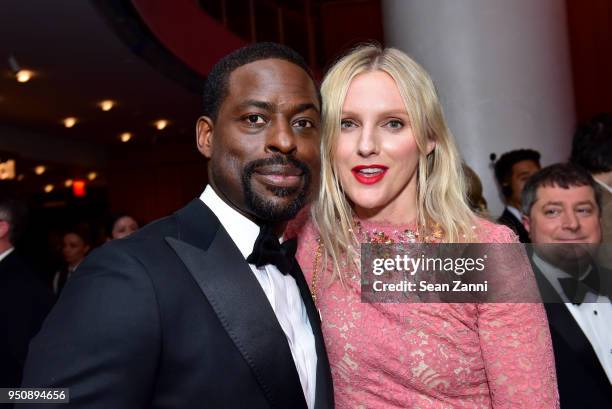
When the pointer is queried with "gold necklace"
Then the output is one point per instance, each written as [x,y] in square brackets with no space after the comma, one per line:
[375,237]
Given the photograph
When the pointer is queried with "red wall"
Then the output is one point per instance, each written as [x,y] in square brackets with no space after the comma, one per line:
[590,32]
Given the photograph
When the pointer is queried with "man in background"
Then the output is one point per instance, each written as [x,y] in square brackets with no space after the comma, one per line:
[563,216]
[24,301]
[592,149]
[512,171]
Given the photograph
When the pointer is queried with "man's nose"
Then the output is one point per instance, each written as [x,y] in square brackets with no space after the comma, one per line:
[570,221]
[281,138]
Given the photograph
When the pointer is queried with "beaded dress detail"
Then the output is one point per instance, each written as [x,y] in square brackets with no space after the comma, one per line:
[429,355]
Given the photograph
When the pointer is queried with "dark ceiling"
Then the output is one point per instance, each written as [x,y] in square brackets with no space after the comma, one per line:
[79,60]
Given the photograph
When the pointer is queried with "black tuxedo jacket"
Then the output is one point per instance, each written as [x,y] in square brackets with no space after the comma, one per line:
[24,304]
[516,225]
[172,317]
[581,378]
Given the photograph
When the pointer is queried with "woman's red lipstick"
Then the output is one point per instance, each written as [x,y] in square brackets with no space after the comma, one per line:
[369,174]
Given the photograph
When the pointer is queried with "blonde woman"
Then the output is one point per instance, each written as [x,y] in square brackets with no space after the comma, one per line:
[391,173]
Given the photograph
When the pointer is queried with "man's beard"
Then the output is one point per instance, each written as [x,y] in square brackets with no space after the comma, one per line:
[266,210]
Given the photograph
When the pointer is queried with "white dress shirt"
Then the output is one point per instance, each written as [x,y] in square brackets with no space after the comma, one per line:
[515,212]
[280,289]
[6,253]
[603,185]
[593,316]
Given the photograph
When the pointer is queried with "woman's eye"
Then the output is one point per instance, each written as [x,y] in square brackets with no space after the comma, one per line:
[395,124]
[347,123]
[254,119]
[303,123]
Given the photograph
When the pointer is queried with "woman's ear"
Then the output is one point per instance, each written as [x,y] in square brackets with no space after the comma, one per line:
[204,135]
[431,145]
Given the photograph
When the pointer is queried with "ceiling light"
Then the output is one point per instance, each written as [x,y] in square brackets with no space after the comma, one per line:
[92,175]
[125,137]
[68,182]
[20,177]
[161,124]
[106,105]
[49,188]
[69,122]
[7,169]
[40,169]
[24,75]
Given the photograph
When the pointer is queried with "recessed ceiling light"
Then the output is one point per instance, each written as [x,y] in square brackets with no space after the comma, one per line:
[106,105]
[161,124]
[40,169]
[24,75]
[49,188]
[68,182]
[69,122]
[92,175]
[125,137]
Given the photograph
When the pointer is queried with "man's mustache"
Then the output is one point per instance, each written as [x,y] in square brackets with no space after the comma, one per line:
[281,160]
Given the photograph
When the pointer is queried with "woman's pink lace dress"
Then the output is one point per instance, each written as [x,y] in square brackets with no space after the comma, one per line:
[431,355]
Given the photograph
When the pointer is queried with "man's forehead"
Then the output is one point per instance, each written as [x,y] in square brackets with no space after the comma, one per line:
[270,78]
[571,195]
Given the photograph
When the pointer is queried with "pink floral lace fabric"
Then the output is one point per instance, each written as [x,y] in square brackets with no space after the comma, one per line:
[431,355]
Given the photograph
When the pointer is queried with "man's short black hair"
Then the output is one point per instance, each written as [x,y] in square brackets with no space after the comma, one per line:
[592,145]
[503,166]
[217,82]
[563,175]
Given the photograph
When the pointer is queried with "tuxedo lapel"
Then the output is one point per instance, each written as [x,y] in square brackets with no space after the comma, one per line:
[239,302]
[324,386]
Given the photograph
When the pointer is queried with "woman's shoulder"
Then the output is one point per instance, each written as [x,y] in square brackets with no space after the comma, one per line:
[491,232]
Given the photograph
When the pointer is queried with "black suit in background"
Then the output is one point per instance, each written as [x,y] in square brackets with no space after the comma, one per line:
[582,380]
[24,304]
[508,219]
[172,317]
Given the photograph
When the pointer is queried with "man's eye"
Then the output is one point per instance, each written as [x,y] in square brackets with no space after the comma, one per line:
[347,123]
[584,210]
[551,212]
[303,123]
[254,119]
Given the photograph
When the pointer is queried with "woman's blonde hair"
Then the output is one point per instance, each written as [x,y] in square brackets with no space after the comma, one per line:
[441,199]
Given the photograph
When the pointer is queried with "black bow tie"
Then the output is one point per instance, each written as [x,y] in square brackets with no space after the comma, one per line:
[575,290]
[267,250]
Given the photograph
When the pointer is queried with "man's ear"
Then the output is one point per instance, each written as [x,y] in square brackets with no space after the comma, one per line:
[204,135]
[526,223]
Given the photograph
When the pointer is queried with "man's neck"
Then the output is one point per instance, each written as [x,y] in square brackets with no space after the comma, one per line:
[5,245]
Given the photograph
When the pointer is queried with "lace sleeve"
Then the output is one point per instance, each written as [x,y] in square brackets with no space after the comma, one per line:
[516,346]
[518,355]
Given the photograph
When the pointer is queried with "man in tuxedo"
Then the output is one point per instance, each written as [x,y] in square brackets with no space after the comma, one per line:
[563,216]
[512,170]
[206,308]
[24,300]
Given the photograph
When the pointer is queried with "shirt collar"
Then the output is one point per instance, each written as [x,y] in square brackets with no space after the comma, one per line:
[242,230]
[605,186]
[515,212]
[6,253]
